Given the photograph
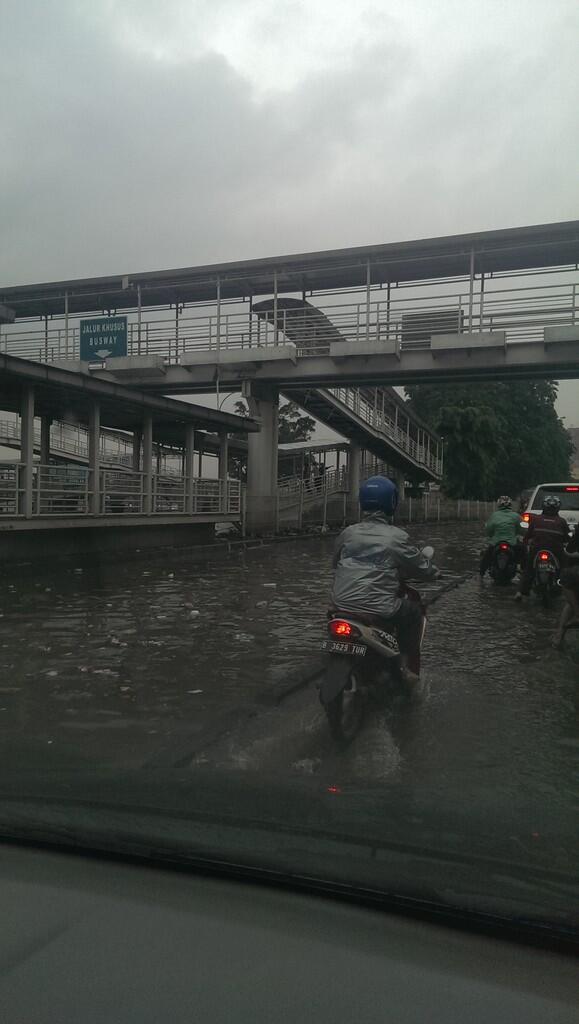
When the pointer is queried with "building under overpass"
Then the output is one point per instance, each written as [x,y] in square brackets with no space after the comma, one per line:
[37,496]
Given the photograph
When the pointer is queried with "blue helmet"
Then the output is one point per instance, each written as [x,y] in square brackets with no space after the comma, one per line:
[379,494]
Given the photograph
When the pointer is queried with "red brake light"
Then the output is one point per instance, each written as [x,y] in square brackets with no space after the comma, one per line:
[543,556]
[526,517]
[572,488]
[340,628]
[504,547]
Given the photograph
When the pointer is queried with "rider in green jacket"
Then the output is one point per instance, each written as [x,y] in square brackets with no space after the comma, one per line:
[503,526]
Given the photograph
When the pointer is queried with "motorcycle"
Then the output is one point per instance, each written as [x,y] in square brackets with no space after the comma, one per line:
[546,570]
[503,564]
[363,665]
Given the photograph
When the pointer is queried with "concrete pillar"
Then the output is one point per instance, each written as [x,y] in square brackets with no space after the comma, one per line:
[223,467]
[94,458]
[45,424]
[190,469]
[147,464]
[398,479]
[136,461]
[354,465]
[201,453]
[25,503]
[262,462]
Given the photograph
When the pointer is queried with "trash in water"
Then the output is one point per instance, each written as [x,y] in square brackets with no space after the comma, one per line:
[261,604]
[52,672]
[194,691]
[193,614]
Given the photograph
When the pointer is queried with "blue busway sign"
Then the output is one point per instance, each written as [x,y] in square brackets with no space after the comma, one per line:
[103,337]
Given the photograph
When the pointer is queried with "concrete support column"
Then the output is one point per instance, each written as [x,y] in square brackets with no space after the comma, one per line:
[25,503]
[45,424]
[189,469]
[354,466]
[136,461]
[223,467]
[147,464]
[398,479]
[94,458]
[262,462]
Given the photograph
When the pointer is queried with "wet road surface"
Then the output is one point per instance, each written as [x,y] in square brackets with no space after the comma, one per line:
[118,665]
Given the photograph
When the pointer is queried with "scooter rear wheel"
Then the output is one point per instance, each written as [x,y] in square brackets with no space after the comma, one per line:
[346,712]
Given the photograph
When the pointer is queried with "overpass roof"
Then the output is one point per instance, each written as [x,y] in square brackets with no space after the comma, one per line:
[510,249]
[63,394]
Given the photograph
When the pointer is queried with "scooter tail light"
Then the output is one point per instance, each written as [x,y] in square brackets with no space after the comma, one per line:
[504,547]
[344,630]
[544,556]
[526,517]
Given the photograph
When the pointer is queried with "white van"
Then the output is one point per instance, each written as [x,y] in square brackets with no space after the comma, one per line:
[568,495]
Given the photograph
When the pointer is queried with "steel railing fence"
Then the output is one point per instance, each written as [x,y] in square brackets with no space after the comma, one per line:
[406,315]
[69,491]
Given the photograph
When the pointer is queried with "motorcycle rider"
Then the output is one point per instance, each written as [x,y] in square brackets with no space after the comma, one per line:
[371,560]
[504,526]
[569,581]
[549,531]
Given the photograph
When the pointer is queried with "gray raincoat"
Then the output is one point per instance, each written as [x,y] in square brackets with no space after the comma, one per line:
[370,560]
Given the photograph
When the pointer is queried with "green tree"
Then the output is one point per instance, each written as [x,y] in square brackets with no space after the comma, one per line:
[499,437]
[293,426]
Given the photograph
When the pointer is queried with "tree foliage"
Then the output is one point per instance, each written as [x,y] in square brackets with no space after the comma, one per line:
[499,438]
[293,425]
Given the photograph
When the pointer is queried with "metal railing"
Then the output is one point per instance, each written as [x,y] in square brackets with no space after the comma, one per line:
[356,403]
[71,439]
[69,491]
[308,491]
[407,315]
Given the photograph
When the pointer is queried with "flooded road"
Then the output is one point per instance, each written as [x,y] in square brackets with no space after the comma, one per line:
[116,665]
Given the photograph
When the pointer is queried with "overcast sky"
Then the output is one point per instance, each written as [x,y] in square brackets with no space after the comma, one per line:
[139,134]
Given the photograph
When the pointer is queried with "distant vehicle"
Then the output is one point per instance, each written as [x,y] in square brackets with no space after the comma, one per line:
[568,495]
[524,499]
[546,571]
[504,563]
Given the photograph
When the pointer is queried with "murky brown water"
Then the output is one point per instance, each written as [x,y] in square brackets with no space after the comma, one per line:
[115,662]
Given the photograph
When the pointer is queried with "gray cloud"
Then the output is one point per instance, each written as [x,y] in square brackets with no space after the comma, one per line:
[138,135]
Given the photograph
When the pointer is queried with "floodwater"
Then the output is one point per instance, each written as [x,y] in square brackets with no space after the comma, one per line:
[118,665]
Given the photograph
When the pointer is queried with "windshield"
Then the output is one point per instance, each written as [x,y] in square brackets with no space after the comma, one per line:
[285,300]
[568,495]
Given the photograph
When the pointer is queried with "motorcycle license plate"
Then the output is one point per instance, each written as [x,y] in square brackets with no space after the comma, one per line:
[338,647]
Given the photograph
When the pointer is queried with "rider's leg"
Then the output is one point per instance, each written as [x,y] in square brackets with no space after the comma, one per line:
[409,624]
[486,559]
[570,612]
[526,581]
[564,619]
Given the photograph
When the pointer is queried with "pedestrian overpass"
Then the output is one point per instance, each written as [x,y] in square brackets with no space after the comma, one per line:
[334,330]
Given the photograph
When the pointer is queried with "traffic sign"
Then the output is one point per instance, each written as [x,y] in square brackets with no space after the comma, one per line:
[103,337]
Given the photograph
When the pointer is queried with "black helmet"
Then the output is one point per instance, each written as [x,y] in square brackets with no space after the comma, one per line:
[551,505]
